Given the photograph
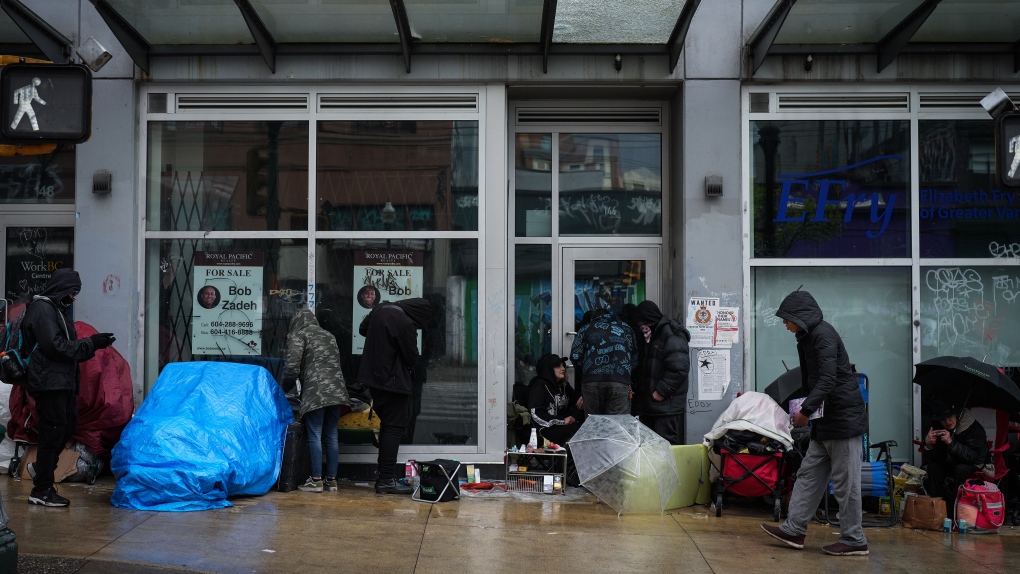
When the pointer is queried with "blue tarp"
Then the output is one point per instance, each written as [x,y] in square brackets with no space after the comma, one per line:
[206,431]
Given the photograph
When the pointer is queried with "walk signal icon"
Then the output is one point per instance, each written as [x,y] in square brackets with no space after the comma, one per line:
[1007,142]
[46,102]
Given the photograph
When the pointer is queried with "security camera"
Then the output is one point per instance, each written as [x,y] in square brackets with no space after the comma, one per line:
[93,54]
[997,103]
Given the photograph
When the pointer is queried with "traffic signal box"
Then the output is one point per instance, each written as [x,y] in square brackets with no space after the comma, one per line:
[45,103]
[1007,149]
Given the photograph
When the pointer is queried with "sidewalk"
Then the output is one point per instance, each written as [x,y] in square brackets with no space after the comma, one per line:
[355,530]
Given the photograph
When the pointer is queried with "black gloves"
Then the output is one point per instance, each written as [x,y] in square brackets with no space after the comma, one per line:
[102,340]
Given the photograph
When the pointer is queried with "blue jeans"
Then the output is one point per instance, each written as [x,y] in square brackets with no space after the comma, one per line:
[315,421]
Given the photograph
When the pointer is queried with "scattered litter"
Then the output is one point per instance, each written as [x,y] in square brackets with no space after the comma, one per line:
[550,533]
[269,551]
[360,484]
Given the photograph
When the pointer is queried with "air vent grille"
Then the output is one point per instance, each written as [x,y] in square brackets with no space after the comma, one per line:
[403,102]
[816,102]
[962,102]
[240,102]
[585,115]
[759,103]
[157,103]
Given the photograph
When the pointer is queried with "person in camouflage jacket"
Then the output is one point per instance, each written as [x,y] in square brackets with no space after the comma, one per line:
[314,358]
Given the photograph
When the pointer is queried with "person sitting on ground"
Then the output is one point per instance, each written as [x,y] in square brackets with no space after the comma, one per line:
[313,357]
[552,402]
[955,448]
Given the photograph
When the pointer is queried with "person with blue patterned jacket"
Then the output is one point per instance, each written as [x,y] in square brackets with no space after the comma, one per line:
[605,353]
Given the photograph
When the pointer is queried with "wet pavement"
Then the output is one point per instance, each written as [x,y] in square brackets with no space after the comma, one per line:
[355,530]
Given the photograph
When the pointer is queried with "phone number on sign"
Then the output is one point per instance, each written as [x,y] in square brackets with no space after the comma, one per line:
[232,332]
[241,324]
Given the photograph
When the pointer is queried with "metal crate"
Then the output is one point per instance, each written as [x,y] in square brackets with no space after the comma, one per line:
[534,483]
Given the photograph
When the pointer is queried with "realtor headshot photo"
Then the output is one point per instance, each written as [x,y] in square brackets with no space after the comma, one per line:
[209,297]
[368,296]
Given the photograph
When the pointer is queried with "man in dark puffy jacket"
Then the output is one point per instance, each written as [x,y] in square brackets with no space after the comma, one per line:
[604,353]
[829,385]
[660,382]
[391,352]
[55,351]
[955,447]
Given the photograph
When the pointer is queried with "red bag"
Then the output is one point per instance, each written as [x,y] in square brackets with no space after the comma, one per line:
[981,504]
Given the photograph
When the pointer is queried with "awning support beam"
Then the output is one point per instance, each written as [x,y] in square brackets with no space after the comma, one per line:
[548,21]
[893,43]
[404,29]
[766,34]
[263,38]
[50,42]
[135,45]
[679,35]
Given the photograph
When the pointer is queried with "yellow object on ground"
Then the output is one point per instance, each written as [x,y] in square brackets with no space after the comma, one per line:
[692,466]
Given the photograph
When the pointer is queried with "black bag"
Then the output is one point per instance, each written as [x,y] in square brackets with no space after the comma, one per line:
[297,461]
[438,481]
[14,360]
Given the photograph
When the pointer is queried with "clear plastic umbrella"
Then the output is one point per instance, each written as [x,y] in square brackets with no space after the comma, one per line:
[624,463]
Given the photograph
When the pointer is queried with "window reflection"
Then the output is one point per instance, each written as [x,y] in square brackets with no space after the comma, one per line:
[444,407]
[533,182]
[532,308]
[38,179]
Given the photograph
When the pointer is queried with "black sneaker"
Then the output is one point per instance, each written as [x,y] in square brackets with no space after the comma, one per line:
[392,486]
[49,497]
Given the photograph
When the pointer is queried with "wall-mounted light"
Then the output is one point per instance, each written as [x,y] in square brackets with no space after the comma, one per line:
[808,62]
[618,62]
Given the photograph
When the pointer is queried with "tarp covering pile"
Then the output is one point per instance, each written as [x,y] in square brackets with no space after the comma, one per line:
[206,432]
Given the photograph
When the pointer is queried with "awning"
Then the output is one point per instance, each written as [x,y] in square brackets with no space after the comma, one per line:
[888,28]
[153,28]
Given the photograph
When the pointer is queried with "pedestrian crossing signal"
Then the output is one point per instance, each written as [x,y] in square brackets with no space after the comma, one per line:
[1007,143]
[45,103]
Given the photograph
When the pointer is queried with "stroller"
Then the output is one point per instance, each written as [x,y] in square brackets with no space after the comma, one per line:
[751,451]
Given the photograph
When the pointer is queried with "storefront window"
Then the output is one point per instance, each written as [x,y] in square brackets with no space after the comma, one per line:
[31,255]
[870,308]
[969,311]
[963,211]
[610,184]
[397,175]
[352,276]
[532,308]
[533,181]
[222,300]
[38,179]
[228,176]
[831,188]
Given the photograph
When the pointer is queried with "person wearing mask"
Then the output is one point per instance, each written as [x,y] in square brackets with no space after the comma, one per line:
[52,375]
[955,448]
[552,402]
[836,451]
[604,354]
[313,357]
[660,381]
[391,353]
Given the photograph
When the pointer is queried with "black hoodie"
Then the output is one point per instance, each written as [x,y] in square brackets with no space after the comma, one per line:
[550,400]
[53,365]
[391,344]
[664,365]
[826,373]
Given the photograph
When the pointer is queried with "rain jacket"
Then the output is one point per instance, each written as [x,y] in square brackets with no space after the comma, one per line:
[664,364]
[53,366]
[313,357]
[604,349]
[969,446]
[550,401]
[826,374]
[391,344]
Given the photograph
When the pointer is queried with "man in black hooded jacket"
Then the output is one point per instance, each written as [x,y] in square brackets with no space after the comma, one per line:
[391,353]
[55,351]
[660,381]
[829,383]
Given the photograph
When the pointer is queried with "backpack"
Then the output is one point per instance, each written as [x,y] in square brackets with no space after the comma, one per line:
[981,504]
[15,359]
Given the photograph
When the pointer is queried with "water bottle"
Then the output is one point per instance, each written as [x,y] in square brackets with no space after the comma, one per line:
[12,369]
[533,443]
[963,527]
[947,525]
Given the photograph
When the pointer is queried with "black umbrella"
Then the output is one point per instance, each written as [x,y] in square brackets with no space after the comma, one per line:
[787,386]
[967,382]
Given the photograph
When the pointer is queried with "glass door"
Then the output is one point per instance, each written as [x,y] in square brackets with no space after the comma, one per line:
[35,245]
[604,277]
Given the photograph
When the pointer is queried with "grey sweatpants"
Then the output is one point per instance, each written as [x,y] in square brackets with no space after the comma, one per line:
[840,459]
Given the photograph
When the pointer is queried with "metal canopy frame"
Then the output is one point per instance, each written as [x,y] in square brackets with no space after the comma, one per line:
[404,30]
[50,42]
[548,21]
[675,44]
[134,43]
[765,35]
[893,43]
[263,38]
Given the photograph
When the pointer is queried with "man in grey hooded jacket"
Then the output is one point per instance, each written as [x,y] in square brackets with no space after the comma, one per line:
[829,383]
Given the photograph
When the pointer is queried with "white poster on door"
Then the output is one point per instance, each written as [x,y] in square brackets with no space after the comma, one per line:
[383,276]
[713,373]
[226,317]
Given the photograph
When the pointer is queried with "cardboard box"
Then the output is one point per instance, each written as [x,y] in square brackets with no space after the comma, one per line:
[67,464]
